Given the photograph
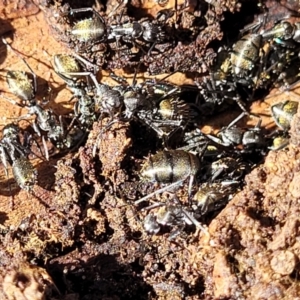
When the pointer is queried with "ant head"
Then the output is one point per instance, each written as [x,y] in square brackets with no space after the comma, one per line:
[10,131]
[31,103]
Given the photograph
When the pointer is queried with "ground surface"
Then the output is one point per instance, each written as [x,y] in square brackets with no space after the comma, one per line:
[79,237]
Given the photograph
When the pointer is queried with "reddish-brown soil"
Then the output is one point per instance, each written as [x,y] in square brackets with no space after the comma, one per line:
[78,235]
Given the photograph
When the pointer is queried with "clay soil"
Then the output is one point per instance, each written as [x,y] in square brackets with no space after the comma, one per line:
[78,236]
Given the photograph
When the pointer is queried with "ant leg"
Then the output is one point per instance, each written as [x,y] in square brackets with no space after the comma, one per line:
[118,79]
[150,123]
[28,142]
[4,161]
[134,80]
[175,233]
[176,89]
[192,178]
[45,148]
[68,81]
[256,25]
[11,198]
[76,110]
[151,48]
[86,9]
[166,188]
[194,221]
[241,116]
[245,112]
[79,10]
[87,63]
[100,135]
[258,124]
[122,80]
[154,205]
[34,125]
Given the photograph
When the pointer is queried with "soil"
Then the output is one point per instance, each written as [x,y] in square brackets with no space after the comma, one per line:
[78,235]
